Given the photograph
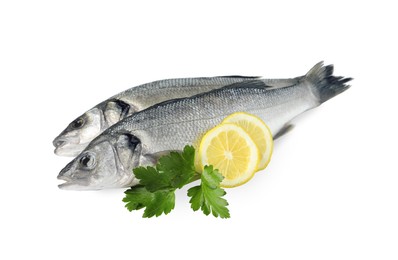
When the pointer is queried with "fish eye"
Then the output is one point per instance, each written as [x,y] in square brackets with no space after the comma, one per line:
[87,161]
[78,123]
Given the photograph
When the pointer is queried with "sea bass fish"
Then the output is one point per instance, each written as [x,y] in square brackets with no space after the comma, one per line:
[138,140]
[80,132]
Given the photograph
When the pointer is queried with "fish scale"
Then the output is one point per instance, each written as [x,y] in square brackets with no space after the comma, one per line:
[93,122]
[140,139]
[171,126]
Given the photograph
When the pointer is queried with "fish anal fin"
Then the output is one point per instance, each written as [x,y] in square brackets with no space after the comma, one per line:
[285,129]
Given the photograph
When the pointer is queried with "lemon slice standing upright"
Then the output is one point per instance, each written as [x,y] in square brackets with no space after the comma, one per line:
[259,132]
[232,151]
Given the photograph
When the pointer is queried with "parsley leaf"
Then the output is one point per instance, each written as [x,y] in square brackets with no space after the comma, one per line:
[137,198]
[155,203]
[156,192]
[172,171]
[179,167]
[151,178]
[208,195]
[163,202]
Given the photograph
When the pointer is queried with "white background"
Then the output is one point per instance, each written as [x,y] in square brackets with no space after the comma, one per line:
[330,192]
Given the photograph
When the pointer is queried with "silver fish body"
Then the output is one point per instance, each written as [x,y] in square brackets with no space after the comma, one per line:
[80,132]
[108,160]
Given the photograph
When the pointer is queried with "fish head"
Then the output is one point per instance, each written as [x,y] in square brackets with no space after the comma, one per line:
[81,131]
[107,162]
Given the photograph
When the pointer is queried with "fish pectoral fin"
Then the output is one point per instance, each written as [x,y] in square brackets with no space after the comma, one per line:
[147,160]
[286,129]
[152,159]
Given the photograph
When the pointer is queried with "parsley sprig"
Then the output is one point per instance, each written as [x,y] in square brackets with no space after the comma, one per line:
[156,192]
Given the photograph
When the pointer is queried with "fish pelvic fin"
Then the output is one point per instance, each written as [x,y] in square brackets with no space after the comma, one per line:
[324,84]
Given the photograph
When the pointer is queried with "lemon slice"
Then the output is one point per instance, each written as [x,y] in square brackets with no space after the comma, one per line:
[232,151]
[259,132]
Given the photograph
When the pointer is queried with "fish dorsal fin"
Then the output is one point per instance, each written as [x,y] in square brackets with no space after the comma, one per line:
[240,77]
[249,84]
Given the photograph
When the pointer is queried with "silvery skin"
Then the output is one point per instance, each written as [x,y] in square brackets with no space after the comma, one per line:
[80,132]
[138,140]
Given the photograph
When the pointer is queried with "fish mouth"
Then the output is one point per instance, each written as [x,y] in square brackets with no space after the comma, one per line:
[65,176]
[72,179]
[60,142]
[70,184]
[67,182]
[67,146]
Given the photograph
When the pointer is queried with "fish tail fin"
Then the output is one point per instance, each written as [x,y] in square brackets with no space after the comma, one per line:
[324,84]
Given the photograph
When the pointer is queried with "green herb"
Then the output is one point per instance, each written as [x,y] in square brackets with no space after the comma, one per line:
[208,195]
[156,192]
[172,171]
[155,203]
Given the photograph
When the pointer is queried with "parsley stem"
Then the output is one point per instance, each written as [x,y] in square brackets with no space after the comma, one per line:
[195,177]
